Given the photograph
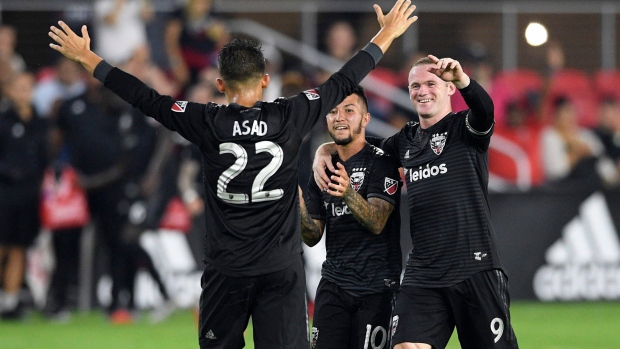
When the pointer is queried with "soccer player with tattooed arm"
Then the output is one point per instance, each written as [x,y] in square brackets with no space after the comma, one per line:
[454,276]
[360,213]
[250,150]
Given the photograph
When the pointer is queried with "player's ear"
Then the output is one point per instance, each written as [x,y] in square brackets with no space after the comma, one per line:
[264,82]
[365,119]
[221,86]
[451,89]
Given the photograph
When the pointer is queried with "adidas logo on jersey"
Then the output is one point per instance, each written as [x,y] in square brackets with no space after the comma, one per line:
[425,172]
[210,335]
[585,262]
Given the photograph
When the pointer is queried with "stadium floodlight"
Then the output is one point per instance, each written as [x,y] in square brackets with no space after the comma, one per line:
[536,34]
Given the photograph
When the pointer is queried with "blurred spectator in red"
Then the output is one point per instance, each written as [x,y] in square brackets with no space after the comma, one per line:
[120,27]
[23,159]
[193,36]
[521,129]
[570,152]
[8,41]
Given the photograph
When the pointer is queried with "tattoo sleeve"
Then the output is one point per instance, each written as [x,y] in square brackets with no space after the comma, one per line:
[311,229]
[372,214]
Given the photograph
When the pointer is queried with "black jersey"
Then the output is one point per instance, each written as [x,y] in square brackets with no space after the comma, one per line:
[359,261]
[23,155]
[250,158]
[91,133]
[446,175]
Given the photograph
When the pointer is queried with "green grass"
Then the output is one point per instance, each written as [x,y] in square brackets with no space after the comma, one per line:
[537,325]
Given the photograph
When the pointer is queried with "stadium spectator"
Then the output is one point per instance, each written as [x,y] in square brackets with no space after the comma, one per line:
[608,132]
[67,81]
[120,27]
[521,127]
[8,42]
[23,159]
[89,126]
[454,276]
[361,275]
[569,151]
[193,36]
[555,58]
[340,43]
[253,251]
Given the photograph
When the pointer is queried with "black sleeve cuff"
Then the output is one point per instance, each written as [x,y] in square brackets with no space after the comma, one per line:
[374,51]
[102,70]
[471,87]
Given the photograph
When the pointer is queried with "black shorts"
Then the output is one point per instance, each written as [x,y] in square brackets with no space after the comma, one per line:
[478,307]
[343,321]
[19,223]
[276,302]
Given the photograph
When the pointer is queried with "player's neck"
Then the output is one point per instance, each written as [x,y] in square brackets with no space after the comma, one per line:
[345,152]
[246,98]
[428,122]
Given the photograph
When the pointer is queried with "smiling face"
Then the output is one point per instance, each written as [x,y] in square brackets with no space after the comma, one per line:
[347,120]
[429,94]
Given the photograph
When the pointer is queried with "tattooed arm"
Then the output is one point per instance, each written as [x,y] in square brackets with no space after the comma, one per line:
[311,229]
[372,214]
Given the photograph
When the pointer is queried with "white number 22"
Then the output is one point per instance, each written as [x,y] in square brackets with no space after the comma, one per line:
[257,194]
[497,327]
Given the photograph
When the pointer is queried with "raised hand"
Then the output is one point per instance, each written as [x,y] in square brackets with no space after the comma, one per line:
[398,18]
[394,23]
[74,47]
[450,70]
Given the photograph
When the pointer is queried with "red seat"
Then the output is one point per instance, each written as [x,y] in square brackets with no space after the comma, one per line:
[577,87]
[607,84]
[513,86]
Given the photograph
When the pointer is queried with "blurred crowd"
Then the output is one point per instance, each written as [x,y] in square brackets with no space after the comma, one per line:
[560,127]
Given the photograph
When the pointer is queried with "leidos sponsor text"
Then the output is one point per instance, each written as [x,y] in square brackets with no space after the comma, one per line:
[340,210]
[425,172]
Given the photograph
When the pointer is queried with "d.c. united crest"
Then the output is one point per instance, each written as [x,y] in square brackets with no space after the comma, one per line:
[314,337]
[357,178]
[438,141]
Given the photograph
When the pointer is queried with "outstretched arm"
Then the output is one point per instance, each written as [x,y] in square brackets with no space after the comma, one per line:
[372,214]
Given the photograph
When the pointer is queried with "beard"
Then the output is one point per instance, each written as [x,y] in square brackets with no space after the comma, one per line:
[349,138]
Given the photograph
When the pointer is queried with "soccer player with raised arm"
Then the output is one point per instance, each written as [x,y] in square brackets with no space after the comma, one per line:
[250,150]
